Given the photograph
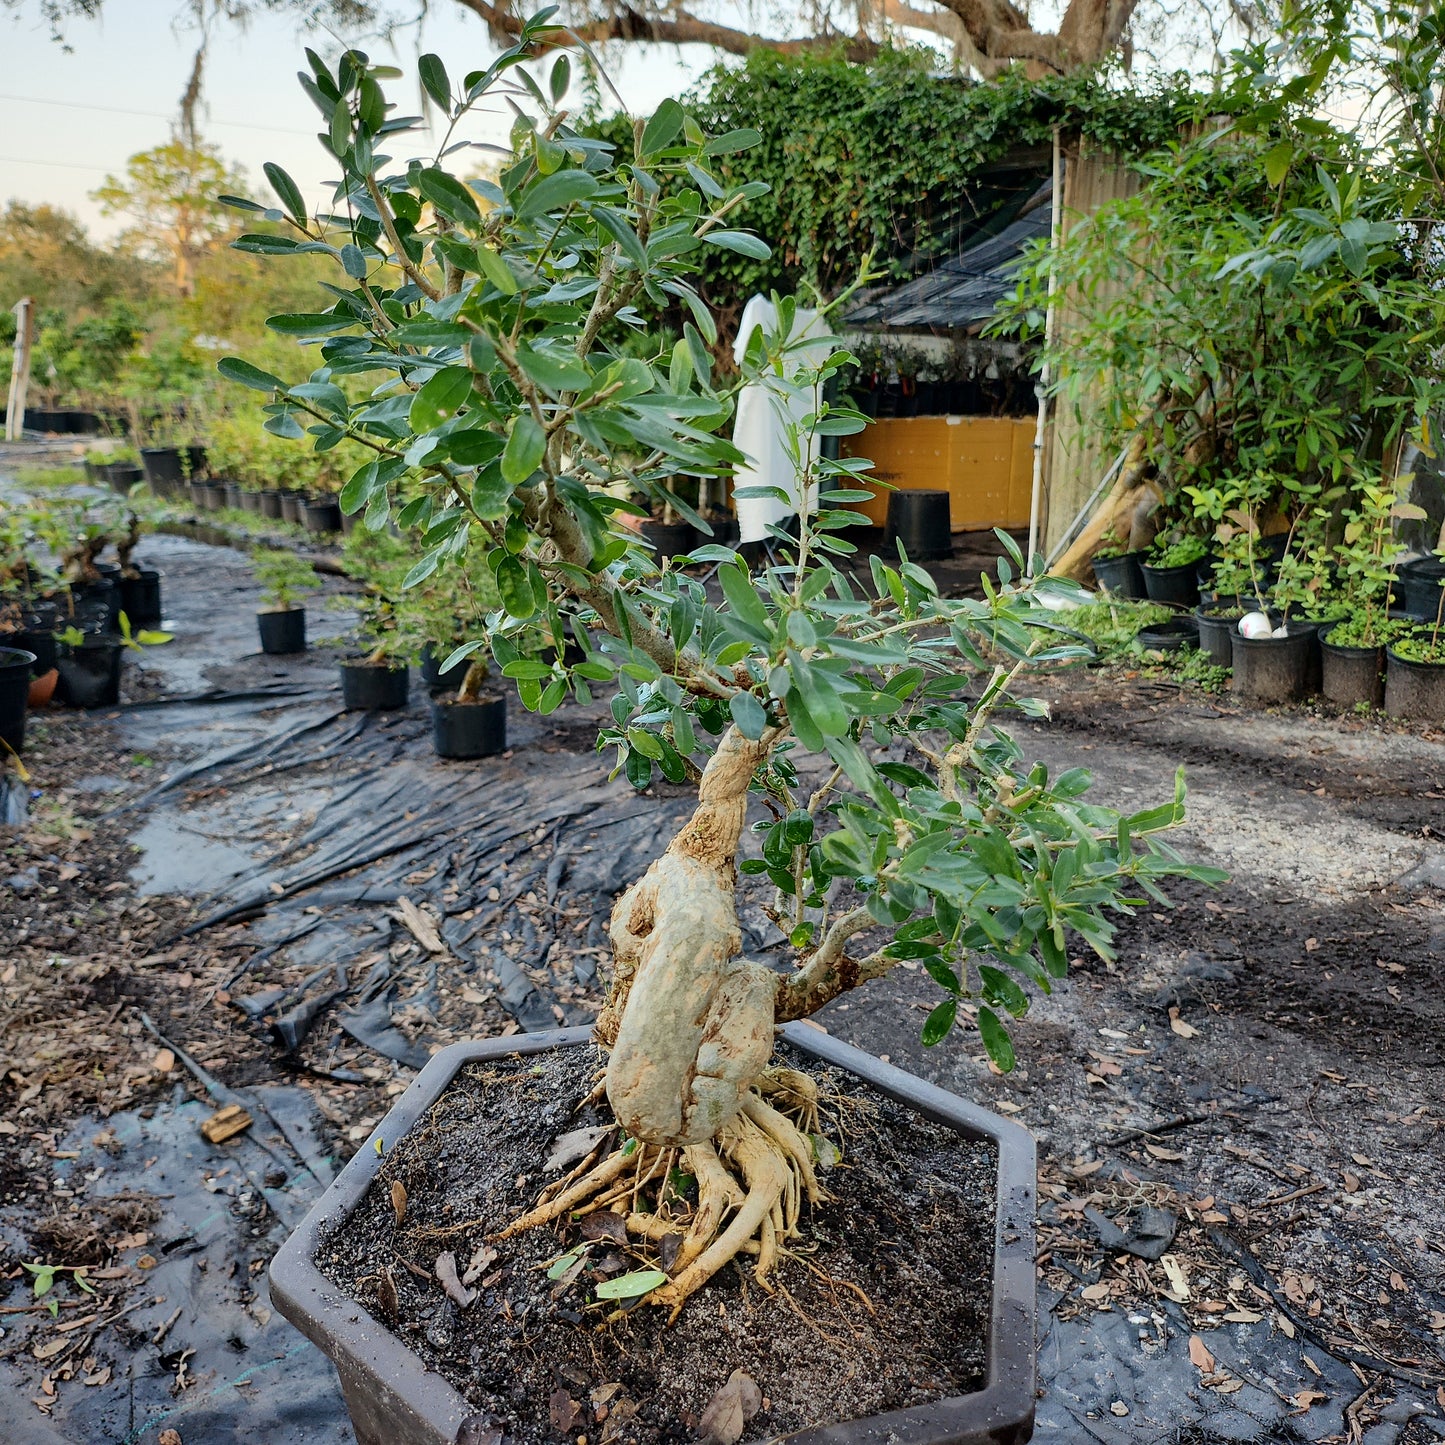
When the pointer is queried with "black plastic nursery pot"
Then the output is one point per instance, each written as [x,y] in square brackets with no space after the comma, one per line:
[271,504]
[39,641]
[282,631]
[374,686]
[1414,690]
[321,514]
[95,606]
[1122,575]
[433,676]
[197,491]
[15,673]
[120,477]
[919,519]
[393,1399]
[1418,587]
[90,671]
[213,496]
[1217,625]
[475,729]
[1351,675]
[291,507]
[1176,586]
[140,597]
[235,497]
[251,502]
[1169,636]
[1273,669]
[168,465]
[669,539]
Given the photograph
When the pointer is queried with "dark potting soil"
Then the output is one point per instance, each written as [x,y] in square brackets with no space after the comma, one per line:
[910,1225]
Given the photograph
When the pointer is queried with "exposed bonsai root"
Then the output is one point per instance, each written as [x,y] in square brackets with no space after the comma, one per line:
[752,1180]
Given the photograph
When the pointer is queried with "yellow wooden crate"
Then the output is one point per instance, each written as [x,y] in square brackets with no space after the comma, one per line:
[984,463]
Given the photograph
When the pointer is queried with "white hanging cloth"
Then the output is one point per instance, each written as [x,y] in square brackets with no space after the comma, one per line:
[761,426]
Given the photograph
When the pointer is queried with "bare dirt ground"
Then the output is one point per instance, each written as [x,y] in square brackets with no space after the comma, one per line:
[1252,1093]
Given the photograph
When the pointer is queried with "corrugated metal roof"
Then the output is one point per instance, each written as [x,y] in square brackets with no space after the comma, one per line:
[959,294]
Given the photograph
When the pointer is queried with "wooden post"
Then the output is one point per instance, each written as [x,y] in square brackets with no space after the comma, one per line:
[20,369]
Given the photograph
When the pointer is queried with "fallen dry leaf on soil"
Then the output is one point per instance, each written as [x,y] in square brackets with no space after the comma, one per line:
[1305,1398]
[730,1410]
[1178,1280]
[1199,1356]
[576,1144]
[563,1412]
[169,1437]
[446,1273]
[1184,1030]
[164,1061]
[398,1199]
[605,1224]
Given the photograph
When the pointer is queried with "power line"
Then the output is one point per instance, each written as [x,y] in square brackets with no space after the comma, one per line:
[144,114]
[62,165]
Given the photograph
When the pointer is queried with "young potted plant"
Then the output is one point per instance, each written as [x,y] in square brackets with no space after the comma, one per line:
[285,580]
[379,678]
[1415,666]
[90,663]
[1366,557]
[140,587]
[1170,568]
[1117,568]
[972,864]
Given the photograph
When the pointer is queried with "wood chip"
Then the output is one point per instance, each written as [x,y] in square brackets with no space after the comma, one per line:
[164,1062]
[226,1123]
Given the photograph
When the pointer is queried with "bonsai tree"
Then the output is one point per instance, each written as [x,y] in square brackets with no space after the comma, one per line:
[859,715]
[285,579]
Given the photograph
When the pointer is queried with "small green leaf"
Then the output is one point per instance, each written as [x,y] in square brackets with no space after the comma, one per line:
[496,270]
[996,1040]
[560,78]
[743,242]
[516,588]
[434,80]
[234,369]
[938,1023]
[448,195]
[631,1286]
[660,131]
[287,190]
[553,192]
[749,715]
[526,446]
[1277,162]
[561,1266]
[440,399]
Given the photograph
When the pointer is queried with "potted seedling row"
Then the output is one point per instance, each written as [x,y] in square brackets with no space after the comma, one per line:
[706,1161]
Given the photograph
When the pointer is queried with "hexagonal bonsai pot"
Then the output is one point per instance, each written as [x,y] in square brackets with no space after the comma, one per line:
[394,1399]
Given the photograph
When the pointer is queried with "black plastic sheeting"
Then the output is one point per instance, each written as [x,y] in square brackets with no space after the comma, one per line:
[225,1210]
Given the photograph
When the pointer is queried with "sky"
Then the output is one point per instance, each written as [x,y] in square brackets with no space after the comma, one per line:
[66,119]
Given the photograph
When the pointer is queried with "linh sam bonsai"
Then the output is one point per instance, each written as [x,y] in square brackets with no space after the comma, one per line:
[862,716]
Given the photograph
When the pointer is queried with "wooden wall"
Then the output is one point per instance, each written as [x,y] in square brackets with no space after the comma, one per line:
[1074,465]
[985,464]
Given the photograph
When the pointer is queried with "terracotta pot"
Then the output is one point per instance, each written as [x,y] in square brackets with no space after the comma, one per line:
[42,688]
